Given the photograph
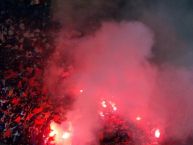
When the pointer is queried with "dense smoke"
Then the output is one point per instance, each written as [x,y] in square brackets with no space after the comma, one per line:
[144,66]
[113,66]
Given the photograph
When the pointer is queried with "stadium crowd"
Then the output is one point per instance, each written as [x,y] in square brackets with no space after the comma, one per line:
[25,43]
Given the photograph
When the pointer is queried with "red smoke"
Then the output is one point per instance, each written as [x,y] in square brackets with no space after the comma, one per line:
[111,72]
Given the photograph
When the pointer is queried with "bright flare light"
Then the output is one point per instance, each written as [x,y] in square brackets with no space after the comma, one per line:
[107,107]
[66,135]
[138,118]
[101,114]
[52,133]
[157,133]
[113,105]
[81,91]
[114,108]
[62,135]
[53,130]
[104,105]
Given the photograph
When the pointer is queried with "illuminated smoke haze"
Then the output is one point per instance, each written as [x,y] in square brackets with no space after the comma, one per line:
[144,66]
[113,66]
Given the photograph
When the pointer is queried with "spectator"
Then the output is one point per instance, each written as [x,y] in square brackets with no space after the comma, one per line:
[24,43]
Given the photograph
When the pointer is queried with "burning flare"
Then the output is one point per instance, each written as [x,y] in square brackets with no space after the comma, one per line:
[157,133]
[61,136]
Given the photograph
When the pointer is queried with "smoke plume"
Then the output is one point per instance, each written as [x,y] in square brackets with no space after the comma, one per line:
[138,54]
